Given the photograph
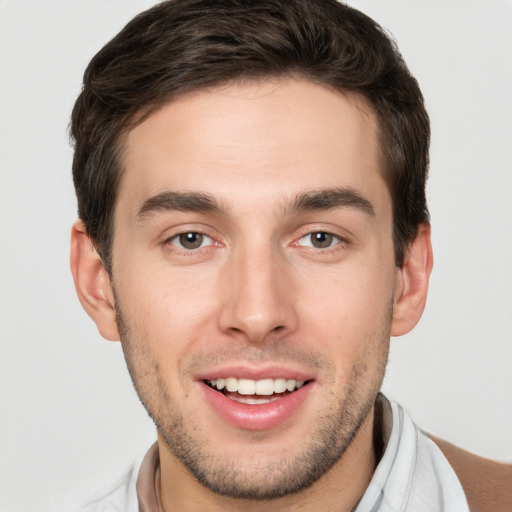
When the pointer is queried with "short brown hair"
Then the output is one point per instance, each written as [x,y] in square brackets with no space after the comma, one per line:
[184,45]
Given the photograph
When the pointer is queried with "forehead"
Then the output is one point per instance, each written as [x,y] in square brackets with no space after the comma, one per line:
[255,141]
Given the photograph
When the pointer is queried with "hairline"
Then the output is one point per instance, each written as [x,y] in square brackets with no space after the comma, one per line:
[119,143]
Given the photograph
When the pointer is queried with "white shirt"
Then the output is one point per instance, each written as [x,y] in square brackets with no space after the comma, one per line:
[412,476]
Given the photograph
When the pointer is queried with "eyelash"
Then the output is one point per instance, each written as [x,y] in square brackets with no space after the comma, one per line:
[335,242]
[177,238]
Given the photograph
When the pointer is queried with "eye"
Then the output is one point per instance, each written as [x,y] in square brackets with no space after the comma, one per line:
[319,240]
[191,240]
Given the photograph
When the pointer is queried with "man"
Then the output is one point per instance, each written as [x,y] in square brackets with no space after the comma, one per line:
[253,227]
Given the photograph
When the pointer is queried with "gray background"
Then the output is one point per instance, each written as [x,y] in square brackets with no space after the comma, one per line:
[68,414]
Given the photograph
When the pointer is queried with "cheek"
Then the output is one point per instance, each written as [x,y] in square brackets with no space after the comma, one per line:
[169,310]
[352,295]
[348,311]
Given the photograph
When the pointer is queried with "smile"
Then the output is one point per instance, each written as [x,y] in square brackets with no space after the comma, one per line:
[255,404]
[251,392]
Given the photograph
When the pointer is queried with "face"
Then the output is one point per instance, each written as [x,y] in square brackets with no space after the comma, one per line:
[254,280]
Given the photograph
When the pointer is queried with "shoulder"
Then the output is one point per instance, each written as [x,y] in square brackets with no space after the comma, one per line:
[487,484]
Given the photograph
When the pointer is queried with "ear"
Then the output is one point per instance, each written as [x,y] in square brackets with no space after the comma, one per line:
[92,282]
[412,283]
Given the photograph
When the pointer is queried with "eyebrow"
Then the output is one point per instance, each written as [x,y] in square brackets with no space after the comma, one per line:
[316,200]
[179,201]
[331,198]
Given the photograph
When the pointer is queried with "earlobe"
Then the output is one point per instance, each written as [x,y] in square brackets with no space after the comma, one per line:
[412,283]
[92,283]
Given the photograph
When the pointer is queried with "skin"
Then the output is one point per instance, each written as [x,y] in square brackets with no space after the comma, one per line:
[256,294]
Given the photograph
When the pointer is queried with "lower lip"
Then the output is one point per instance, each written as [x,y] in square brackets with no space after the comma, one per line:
[258,416]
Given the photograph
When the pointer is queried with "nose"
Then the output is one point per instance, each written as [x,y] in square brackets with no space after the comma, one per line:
[258,296]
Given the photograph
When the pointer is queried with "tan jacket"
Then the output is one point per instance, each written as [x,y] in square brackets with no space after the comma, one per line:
[487,484]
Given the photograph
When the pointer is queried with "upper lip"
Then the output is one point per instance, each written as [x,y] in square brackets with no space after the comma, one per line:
[243,371]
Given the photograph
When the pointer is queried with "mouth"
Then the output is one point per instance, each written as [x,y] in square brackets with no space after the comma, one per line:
[257,404]
[255,392]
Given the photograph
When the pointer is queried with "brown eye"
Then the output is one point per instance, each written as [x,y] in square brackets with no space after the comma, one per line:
[191,240]
[321,239]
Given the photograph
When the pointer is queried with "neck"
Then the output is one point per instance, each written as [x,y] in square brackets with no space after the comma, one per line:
[339,489]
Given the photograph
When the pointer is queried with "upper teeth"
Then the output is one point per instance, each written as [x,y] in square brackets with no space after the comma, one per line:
[256,387]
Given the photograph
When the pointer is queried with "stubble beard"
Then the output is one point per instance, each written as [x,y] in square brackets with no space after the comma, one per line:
[257,478]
